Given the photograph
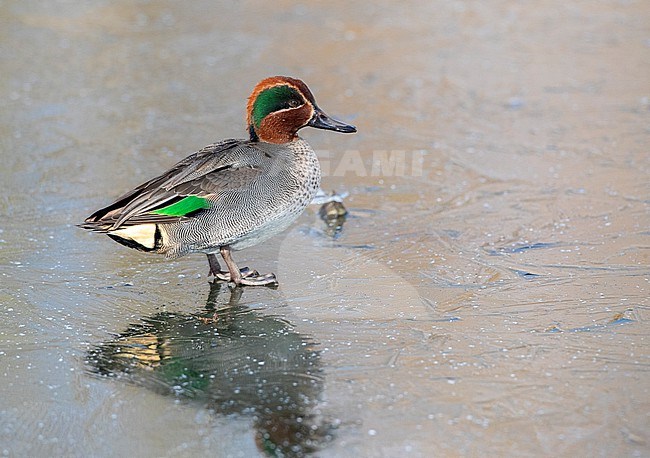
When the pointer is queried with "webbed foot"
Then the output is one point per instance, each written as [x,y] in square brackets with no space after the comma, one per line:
[243,276]
[224,275]
[249,278]
[259,280]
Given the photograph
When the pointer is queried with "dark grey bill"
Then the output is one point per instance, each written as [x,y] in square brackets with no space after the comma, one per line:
[321,121]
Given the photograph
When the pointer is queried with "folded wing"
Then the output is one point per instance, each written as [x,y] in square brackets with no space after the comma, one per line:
[188,187]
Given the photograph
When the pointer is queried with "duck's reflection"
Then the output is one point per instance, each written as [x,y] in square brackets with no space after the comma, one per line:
[232,359]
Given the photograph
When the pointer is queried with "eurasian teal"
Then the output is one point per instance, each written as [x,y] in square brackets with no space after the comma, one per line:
[232,194]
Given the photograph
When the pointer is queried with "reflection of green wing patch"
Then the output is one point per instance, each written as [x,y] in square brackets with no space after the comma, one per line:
[184,380]
[184,206]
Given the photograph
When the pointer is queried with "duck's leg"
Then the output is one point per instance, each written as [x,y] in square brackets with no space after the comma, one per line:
[245,276]
[224,275]
[215,267]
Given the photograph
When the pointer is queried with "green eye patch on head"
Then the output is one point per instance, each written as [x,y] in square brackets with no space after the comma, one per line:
[274,99]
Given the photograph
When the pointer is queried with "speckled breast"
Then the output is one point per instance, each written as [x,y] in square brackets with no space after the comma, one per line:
[247,217]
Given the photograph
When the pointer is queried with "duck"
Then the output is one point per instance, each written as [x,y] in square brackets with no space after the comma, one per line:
[230,195]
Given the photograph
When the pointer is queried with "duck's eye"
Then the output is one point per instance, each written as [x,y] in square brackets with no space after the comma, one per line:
[293,103]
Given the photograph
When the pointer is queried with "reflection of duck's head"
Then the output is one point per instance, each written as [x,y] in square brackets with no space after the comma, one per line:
[231,358]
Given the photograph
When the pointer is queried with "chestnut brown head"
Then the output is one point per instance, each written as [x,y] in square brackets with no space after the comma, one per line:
[280,106]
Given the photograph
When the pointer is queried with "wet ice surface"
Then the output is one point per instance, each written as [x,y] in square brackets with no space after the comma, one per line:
[497,301]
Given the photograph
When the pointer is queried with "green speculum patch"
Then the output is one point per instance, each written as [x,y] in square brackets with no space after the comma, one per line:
[184,206]
[273,99]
